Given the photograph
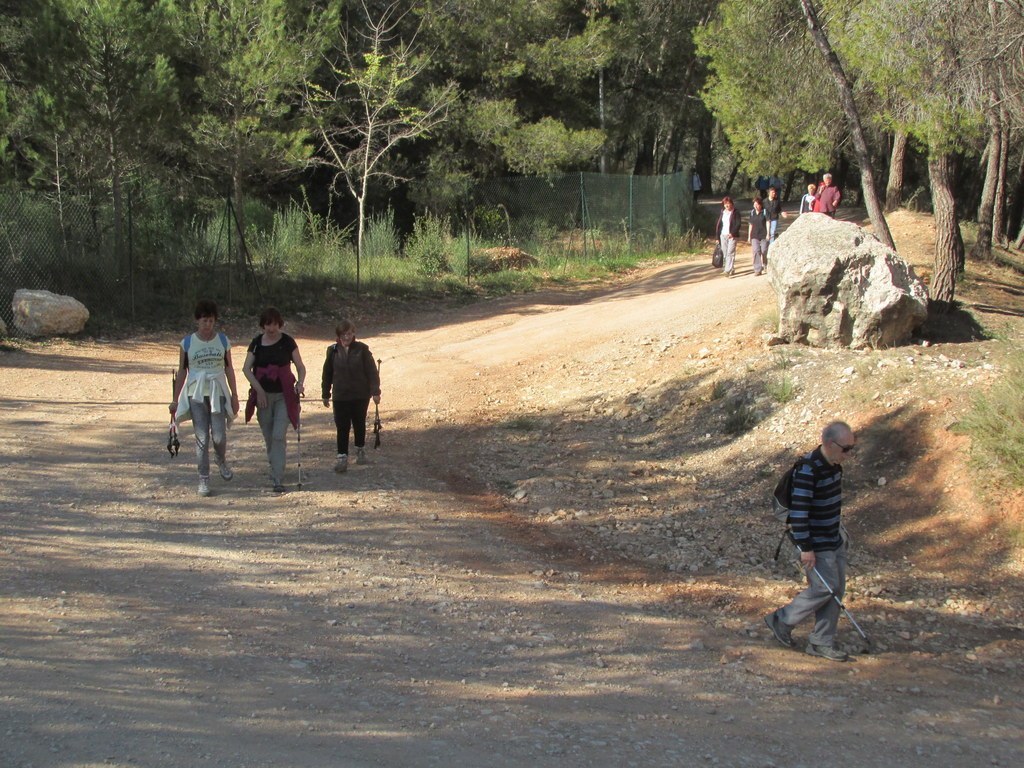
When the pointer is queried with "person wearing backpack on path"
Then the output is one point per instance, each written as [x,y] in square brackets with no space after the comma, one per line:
[205,390]
[757,236]
[816,527]
[274,390]
[350,372]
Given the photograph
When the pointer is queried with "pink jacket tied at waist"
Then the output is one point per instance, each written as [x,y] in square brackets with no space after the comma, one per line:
[282,373]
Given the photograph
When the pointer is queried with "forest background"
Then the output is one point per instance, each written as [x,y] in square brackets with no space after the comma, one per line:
[278,149]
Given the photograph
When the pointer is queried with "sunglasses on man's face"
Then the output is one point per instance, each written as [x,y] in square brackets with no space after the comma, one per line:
[845,448]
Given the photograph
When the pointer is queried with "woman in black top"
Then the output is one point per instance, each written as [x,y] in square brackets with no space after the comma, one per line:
[275,390]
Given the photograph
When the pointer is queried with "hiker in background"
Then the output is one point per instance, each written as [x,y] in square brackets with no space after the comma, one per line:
[807,201]
[828,197]
[762,185]
[815,521]
[696,184]
[205,391]
[727,230]
[757,235]
[773,209]
[352,376]
[274,390]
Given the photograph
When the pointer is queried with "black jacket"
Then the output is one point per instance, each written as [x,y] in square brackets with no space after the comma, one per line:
[351,376]
[734,224]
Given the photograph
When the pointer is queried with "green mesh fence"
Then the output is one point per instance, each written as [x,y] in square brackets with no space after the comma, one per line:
[578,216]
[153,261]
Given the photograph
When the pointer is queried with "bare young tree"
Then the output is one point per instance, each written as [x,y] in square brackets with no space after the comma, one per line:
[372,103]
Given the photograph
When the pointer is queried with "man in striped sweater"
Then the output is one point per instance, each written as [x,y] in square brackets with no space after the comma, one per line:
[816,528]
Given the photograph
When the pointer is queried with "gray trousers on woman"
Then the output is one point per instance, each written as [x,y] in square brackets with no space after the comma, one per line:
[208,424]
[816,598]
[273,421]
[728,253]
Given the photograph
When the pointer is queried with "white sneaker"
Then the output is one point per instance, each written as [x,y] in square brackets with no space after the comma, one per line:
[342,463]
[204,486]
[225,470]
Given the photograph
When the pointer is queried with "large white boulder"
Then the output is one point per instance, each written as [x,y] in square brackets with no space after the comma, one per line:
[41,313]
[837,284]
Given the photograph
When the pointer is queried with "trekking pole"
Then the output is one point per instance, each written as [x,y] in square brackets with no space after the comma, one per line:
[376,415]
[853,621]
[298,444]
[173,444]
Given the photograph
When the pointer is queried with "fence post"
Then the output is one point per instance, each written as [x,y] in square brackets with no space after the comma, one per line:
[629,226]
[131,255]
[467,224]
[664,206]
[583,214]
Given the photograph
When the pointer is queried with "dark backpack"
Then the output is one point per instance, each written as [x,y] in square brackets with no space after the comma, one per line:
[782,496]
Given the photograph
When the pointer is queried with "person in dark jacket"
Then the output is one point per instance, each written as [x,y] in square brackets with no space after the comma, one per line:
[757,234]
[727,230]
[773,209]
[350,372]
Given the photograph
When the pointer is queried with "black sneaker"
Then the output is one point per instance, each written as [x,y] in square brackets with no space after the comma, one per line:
[827,652]
[279,489]
[783,633]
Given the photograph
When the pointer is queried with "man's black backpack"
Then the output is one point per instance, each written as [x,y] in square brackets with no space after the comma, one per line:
[782,501]
[782,497]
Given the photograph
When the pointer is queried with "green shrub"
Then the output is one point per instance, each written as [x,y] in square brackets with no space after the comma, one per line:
[380,238]
[995,424]
[781,389]
[430,244]
[740,417]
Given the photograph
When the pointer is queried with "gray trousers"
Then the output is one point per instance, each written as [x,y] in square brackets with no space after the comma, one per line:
[760,249]
[728,252]
[208,424]
[273,421]
[816,598]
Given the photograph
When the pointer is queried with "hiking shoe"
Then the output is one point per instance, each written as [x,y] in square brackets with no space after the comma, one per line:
[342,463]
[782,631]
[360,455]
[279,488]
[827,652]
[225,470]
[204,486]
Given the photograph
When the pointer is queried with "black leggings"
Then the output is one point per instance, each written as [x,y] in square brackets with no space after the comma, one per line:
[350,414]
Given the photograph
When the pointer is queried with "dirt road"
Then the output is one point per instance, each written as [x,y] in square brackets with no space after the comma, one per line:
[404,613]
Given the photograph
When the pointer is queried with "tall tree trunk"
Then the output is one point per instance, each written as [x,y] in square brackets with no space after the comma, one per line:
[897,163]
[238,203]
[1015,208]
[983,245]
[860,144]
[117,200]
[949,245]
[999,213]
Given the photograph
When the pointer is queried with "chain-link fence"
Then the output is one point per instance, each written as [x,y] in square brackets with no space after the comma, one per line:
[148,259]
[581,216]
